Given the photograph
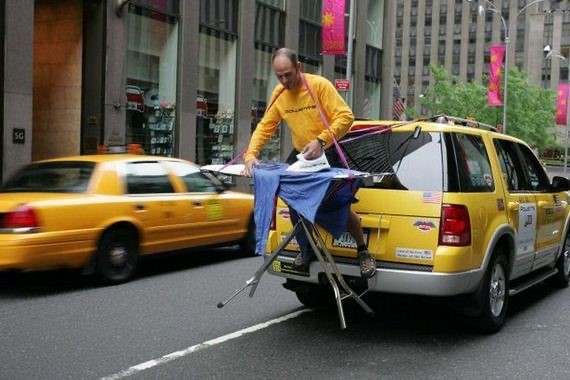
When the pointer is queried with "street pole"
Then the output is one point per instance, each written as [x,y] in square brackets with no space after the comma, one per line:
[567,116]
[349,51]
[557,54]
[493,8]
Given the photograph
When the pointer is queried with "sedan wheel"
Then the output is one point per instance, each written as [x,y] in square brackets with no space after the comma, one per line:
[117,256]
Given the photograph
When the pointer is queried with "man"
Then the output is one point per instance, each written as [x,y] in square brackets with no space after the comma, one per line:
[292,103]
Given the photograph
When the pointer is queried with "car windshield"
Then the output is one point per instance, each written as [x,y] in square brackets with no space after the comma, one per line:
[399,160]
[51,177]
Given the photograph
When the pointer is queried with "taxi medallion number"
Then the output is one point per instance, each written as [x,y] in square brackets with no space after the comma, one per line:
[214,210]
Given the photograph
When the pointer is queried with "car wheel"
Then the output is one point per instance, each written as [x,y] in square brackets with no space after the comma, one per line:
[117,256]
[314,295]
[492,298]
[247,245]
[561,279]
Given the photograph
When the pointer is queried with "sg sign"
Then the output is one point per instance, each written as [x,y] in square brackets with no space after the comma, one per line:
[18,136]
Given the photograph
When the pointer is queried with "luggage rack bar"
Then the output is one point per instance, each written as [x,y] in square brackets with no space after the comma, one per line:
[458,121]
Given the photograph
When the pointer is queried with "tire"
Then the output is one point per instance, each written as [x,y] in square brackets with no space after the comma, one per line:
[561,279]
[314,296]
[492,298]
[247,245]
[117,256]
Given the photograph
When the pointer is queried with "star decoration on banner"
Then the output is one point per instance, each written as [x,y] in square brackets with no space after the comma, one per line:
[328,19]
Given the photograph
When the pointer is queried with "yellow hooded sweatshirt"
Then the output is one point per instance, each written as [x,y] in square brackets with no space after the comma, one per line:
[299,111]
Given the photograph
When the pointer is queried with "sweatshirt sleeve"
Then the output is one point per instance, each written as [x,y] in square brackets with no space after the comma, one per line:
[337,111]
[264,129]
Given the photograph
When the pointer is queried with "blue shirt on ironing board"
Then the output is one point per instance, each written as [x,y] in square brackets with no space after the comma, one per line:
[303,192]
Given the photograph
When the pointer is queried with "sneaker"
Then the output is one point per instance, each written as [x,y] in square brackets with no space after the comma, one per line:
[367,264]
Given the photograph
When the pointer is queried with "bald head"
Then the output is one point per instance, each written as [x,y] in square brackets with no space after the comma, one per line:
[287,68]
[290,54]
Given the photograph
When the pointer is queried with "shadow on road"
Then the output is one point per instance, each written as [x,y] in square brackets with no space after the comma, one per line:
[44,283]
[406,314]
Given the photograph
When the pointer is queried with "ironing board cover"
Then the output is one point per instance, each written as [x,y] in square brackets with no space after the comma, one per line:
[305,193]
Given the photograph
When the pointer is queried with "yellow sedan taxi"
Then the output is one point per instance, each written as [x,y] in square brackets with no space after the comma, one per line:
[102,212]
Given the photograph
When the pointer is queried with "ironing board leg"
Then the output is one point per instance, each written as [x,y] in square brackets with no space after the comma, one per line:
[329,267]
[254,281]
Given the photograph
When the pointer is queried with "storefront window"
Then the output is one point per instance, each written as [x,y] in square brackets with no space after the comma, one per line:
[372,100]
[151,76]
[264,81]
[312,67]
[374,18]
[216,98]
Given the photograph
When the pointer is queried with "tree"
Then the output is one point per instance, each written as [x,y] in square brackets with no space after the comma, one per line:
[531,109]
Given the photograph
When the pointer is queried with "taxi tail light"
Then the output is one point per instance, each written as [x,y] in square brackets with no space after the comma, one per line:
[274,215]
[21,217]
[455,227]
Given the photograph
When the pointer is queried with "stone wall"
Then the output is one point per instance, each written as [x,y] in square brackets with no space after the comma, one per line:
[58,45]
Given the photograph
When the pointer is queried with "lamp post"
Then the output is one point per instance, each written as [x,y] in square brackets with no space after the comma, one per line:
[493,8]
[556,54]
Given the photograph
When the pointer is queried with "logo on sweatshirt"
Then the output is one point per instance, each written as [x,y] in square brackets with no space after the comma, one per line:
[306,108]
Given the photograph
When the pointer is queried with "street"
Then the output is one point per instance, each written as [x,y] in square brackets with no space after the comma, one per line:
[56,325]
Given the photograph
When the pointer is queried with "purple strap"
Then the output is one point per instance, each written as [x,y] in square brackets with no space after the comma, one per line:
[326,123]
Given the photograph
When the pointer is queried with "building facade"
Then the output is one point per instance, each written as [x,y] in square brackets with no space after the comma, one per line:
[182,78]
[453,34]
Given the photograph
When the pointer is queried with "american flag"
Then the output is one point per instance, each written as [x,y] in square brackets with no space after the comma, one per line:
[431,197]
[399,107]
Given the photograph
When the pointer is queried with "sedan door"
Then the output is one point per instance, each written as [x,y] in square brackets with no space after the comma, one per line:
[154,203]
[210,214]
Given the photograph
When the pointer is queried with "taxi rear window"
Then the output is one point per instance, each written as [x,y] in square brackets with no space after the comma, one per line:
[398,160]
[51,177]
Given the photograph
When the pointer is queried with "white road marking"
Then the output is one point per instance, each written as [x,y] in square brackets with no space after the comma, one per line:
[200,346]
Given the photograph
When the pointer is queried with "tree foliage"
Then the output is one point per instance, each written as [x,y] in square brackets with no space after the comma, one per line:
[531,109]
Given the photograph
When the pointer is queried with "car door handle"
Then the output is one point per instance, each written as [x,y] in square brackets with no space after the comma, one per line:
[513,206]
[197,203]
[140,207]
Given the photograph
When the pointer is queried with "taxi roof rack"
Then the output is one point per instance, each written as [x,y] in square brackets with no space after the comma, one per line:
[459,121]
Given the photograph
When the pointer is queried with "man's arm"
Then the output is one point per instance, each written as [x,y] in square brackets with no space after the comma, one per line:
[263,132]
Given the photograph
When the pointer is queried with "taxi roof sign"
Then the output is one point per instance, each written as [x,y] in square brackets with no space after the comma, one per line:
[120,149]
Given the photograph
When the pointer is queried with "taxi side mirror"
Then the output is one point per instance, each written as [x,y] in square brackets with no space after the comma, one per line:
[560,184]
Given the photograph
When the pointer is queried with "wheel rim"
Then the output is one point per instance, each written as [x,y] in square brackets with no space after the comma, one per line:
[497,290]
[118,255]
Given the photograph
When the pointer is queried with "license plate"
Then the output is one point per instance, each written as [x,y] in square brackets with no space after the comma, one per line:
[346,241]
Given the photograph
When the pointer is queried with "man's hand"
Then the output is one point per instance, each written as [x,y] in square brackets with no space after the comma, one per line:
[248,169]
[312,150]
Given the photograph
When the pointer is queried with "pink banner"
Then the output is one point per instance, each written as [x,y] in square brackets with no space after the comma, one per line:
[497,53]
[333,27]
[562,104]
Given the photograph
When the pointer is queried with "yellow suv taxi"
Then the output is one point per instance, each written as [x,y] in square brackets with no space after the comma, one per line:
[455,209]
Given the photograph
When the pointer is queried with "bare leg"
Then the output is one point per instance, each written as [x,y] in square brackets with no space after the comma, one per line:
[355,228]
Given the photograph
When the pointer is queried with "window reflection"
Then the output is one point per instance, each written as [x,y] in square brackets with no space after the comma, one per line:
[151,76]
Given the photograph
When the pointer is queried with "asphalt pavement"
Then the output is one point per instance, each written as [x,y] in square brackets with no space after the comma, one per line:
[165,324]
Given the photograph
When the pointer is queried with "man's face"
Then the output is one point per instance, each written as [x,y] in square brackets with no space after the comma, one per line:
[289,75]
